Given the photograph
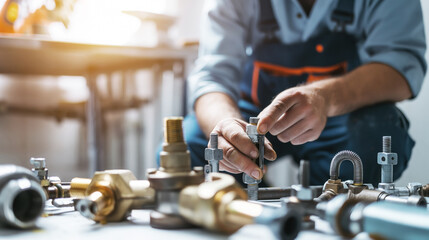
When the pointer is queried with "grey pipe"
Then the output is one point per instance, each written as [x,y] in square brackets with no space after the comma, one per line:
[387,220]
[22,199]
[334,170]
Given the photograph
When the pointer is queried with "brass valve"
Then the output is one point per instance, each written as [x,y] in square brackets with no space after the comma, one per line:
[111,195]
[220,205]
[173,175]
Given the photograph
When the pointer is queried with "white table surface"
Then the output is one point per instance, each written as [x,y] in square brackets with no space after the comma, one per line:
[72,225]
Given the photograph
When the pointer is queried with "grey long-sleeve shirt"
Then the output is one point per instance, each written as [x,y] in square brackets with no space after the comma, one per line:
[389,32]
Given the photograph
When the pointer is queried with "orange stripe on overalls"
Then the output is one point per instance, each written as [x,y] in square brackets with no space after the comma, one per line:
[314,73]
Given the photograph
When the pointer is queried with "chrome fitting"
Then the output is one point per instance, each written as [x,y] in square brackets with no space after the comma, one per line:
[22,199]
[387,159]
[213,155]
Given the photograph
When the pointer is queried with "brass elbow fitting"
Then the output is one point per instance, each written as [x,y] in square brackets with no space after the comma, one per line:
[220,205]
[111,195]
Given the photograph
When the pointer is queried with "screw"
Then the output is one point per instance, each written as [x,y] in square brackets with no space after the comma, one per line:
[213,140]
[253,120]
[304,173]
[387,144]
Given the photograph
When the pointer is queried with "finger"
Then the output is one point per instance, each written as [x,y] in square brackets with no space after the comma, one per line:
[269,116]
[236,135]
[269,152]
[265,169]
[293,115]
[307,136]
[238,160]
[224,166]
[294,131]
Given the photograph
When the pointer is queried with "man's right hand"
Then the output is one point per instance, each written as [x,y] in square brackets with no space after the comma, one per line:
[238,149]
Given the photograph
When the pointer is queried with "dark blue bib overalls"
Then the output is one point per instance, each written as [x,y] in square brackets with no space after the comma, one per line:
[274,67]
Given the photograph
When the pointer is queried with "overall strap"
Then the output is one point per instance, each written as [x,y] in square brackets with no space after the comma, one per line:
[267,21]
[343,14]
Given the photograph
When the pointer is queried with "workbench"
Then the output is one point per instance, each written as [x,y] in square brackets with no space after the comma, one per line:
[71,225]
[36,55]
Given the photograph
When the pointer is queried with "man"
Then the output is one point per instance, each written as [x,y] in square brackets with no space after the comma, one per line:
[322,76]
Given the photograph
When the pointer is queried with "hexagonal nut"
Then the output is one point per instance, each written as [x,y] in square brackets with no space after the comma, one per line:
[38,163]
[356,189]
[303,193]
[213,154]
[247,179]
[414,188]
[387,158]
[335,185]
[44,183]
[54,179]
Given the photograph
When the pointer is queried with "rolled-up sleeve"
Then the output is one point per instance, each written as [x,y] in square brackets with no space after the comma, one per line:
[222,50]
[395,36]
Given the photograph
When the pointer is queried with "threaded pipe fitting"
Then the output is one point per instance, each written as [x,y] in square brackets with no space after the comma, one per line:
[173,130]
[175,156]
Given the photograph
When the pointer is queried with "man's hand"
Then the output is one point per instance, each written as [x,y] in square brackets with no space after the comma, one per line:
[238,149]
[297,115]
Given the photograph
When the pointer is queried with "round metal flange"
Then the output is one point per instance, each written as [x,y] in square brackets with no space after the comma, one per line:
[168,221]
[160,180]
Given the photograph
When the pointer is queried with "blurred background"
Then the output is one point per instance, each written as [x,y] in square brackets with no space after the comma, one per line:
[46,113]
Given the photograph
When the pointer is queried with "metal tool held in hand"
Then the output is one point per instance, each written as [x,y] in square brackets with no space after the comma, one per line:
[213,155]
[258,140]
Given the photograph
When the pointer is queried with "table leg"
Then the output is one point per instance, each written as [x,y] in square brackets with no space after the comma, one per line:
[94,127]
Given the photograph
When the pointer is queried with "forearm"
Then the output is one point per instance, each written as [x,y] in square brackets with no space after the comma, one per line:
[369,84]
[213,107]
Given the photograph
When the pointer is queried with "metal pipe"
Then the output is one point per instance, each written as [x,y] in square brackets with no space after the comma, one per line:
[22,199]
[413,200]
[357,166]
[273,193]
[383,219]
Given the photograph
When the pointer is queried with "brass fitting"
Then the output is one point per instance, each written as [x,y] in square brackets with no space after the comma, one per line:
[111,195]
[220,205]
[173,175]
[174,156]
[52,185]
